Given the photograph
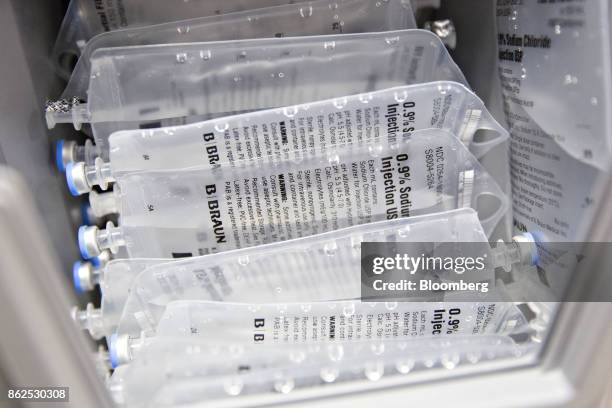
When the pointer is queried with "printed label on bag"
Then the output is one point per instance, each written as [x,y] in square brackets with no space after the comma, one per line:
[553,76]
[200,211]
[111,14]
[292,204]
[380,117]
[330,321]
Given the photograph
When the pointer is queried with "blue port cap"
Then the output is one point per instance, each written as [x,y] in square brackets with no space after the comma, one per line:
[535,255]
[112,350]
[538,236]
[59,159]
[76,281]
[85,207]
[82,244]
[70,181]
[95,261]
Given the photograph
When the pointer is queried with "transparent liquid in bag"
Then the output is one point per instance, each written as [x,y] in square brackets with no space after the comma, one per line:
[317,268]
[142,86]
[555,68]
[327,322]
[309,269]
[364,118]
[169,372]
[85,18]
[289,20]
[199,211]
[555,75]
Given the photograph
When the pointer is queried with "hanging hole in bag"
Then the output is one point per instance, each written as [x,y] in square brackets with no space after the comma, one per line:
[487,206]
[67,60]
[484,136]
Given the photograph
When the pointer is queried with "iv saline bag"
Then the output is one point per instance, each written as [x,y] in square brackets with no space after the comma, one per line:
[308,269]
[315,18]
[326,322]
[137,87]
[167,214]
[555,58]
[317,279]
[170,371]
[321,267]
[555,74]
[335,323]
[290,20]
[409,56]
[363,118]
[84,19]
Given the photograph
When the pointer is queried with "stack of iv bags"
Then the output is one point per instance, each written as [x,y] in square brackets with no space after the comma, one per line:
[233,164]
